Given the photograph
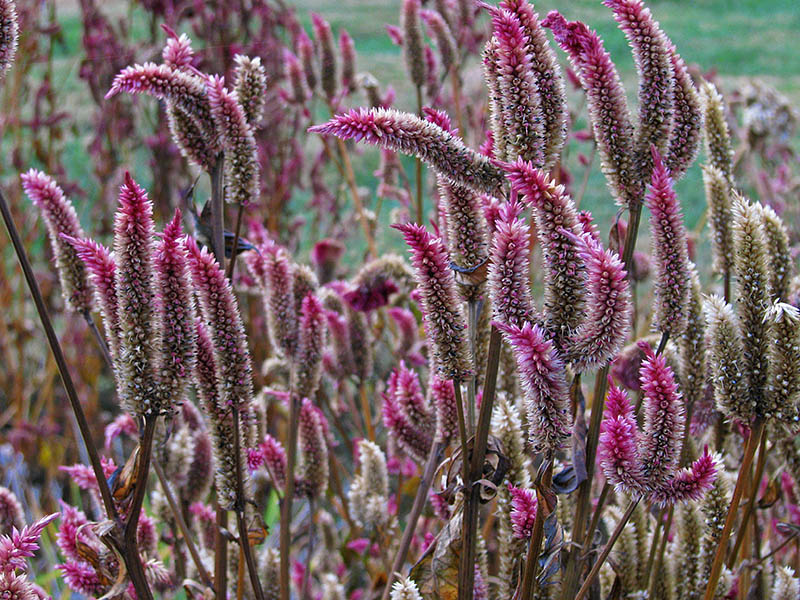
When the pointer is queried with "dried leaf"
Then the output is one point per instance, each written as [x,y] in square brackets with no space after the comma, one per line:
[772,494]
[123,481]
[436,572]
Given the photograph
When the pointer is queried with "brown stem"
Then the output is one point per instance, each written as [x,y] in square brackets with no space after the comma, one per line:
[658,563]
[184,529]
[607,549]
[145,452]
[529,581]
[651,557]
[747,460]
[366,413]
[751,502]
[234,249]
[662,343]
[221,556]
[598,512]
[286,506]
[98,337]
[217,209]
[630,237]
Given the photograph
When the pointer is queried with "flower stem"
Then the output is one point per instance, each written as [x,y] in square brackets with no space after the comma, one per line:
[529,581]
[234,249]
[286,506]
[98,337]
[221,556]
[751,502]
[217,210]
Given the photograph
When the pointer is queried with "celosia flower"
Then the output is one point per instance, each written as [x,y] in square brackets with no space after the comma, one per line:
[547,76]
[361,341]
[412,42]
[652,54]
[718,197]
[297,83]
[520,118]
[786,586]
[608,320]
[241,160]
[312,471]
[406,414]
[365,299]
[177,311]
[329,78]
[16,587]
[507,426]
[369,491]
[617,452]
[670,250]
[523,511]
[405,589]
[178,52]
[339,334]
[690,483]
[491,74]
[509,268]
[135,284]
[608,110]
[687,124]
[198,477]
[9,32]
[123,423]
[311,341]
[305,51]
[692,345]
[61,220]
[690,534]
[409,134]
[779,253]
[250,88]
[11,513]
[281,315]
[381,274]
[190,138]
[304,282]
[444,403]
[719,152]
[21,544]
[407,330]
[783,385]
[725,346]
[541,372]
[444,316]
[271,454]
[439,30]
[81,578]
[556,218]
[347,50]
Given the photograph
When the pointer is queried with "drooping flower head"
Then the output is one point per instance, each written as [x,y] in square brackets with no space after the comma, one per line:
[444,316]
[541,372]
[409,134]
[61,220]
[9,32]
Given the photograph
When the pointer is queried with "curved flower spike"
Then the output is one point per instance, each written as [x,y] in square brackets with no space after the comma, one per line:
[409,134]
[690,483]
[18,546]
[406,413]
[541,372]
[9,33]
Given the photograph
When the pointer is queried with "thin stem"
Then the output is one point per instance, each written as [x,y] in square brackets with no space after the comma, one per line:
[98,337]
[416,510]
[235,247]
[418,164]
[304,593]
[366,413]
[145,452]
[217,209]
[658,563]
[662,343]
[286,506]
[351,182]
[751,502]
[651,557]
[747,460]
[529,581]
[630,237]
[472,325]
[181,522]
[221,555]
[607,549]
[598,512]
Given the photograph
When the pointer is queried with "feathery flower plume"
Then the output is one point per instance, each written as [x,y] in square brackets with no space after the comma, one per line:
[304,282]
[281,316]
[509,268]
[556,219]
[9,32]
[311,341]
[444,403]
[786,586]
[178,52]
[783,387]
[329,78]
[607,323]
[726,351]
[409,134]
[360,343]
[440,32]
[548,78]
[491,74]
[719,152]
[413,44]
[21,544]
[297,82]
[313,468]
[61,220]
[652,54]
[690,534]
[779,253]
[405,589]
[347,49]
[241,161]
[608,110]
[687,124]
[670,250]
[617,451]
[690,483]
[521,119]
[407,329]
[718,197]
[250,87]
[523,511]
[11,513]
[190,138]
[341,345]
[752,277]
[541,372]
[177,311]
[369,491]
[135,284]
[443,313]
[17,587]
[692,346]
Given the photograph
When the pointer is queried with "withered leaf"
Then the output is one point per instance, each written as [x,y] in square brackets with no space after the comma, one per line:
[772,494]
[436,572]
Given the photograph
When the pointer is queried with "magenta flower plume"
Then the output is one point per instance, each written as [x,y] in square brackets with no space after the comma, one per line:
[617,451]
[135,283]
[177,311]
[491,74]
[326,48]
[241,161]
[298,88]
[407,329]
[190,138]
[509,268]
[313,444]
[652,54]
[443,313]
[18,546]
[687,122]
[220,313]
[520,117]
[548,78]
[250,88]
[61,220]
[444,403]
[281,316]
[541,372]
[409,397]
[690,483]
[178,52]
[608,316]
[670,250]
[523,511]
[311,342]
[17,587]
[556,217]
[608,110]
[409,134]
[81,577]
[408,422]
[9,33]
[273,457]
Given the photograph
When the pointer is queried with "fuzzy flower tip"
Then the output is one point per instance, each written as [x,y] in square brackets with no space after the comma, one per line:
[543,378]
[21,544]
[281,313]
[608,110]
[61,220]
[718,137]
[409,134]
[523,511]
[135,283]
[9,33]
[250,87]
[405,589]
[413,43]
[690,484]
[311,342]
[443,313]
[670,250]
[783,389]
[509,268]
[220,311]
[687,126]
[313,444]
[178,52]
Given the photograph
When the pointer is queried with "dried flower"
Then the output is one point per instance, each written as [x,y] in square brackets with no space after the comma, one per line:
[719,152]
[692,346]
[541,372]
[687,125]
[783,384]
[369,491]
[690,535]
[787,586]
[329,78]
[491,74]
[718,197]
[409,134]
[608,110]
[779,253]
[250,88]
[312,471]
[670,251]
[305,50]
[523,511]
[311,341]
[9,32]
[444,316]
[61,220]
[413,44]
[190,138]
[726,351]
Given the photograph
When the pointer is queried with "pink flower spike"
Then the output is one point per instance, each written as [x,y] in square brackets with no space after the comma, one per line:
[444,402]
[691,483]
[281,314]
[541,372]
[9,33]
[178,52]
[687,127]
[311,342]
[617,451]
[523,511]
[405,416]
[313,445]
[123,423]
[14,549]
